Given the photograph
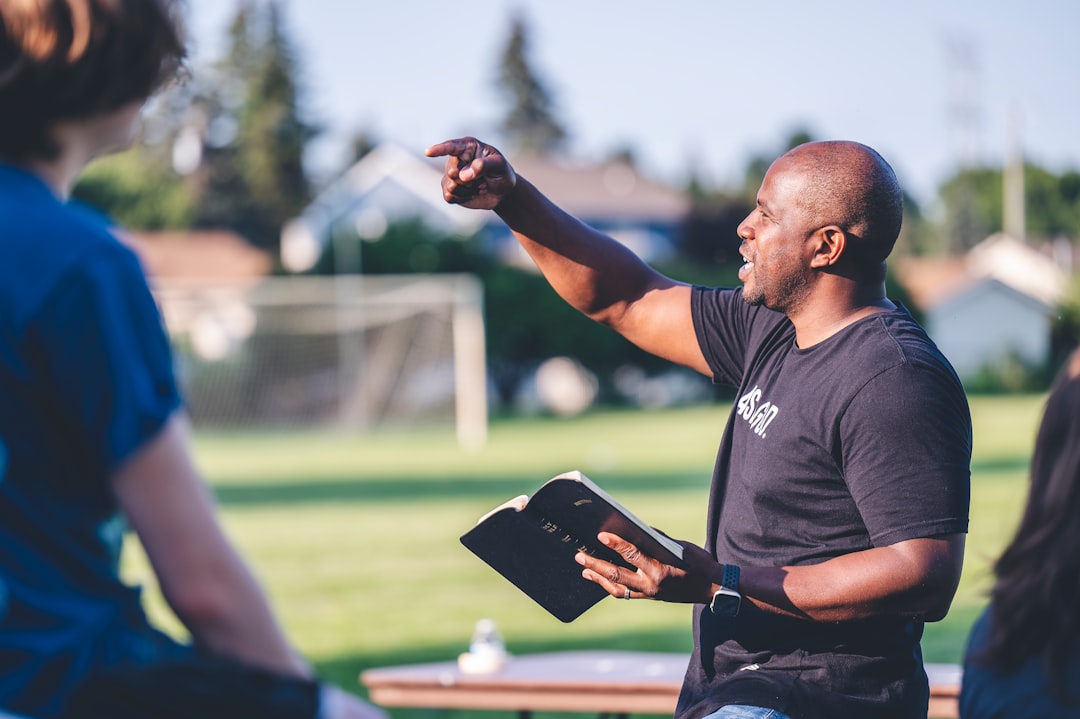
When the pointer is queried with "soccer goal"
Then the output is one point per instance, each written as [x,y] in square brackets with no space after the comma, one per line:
[353,351]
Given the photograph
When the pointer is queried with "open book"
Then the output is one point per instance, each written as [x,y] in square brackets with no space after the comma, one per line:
[532,541]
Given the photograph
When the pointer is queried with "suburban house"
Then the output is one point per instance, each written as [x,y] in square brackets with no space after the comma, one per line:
[220,255]
[989,307]
[612,197]
[391,184]
[201,279]
[387,185]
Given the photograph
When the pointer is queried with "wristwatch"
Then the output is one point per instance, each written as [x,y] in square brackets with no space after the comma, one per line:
[725,602]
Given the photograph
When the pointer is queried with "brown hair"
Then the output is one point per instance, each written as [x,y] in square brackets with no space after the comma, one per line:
[73,59]
[1038,575]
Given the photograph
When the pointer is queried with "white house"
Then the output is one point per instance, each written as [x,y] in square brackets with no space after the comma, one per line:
[988,324]
[388,184]
[391,184]
[989,307]
[611,196]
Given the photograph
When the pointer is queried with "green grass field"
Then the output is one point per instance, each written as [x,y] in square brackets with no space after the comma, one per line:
[356,537]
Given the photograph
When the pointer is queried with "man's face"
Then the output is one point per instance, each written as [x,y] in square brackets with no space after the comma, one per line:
[777,270]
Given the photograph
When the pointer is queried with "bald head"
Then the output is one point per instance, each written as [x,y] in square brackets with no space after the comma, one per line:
[850,185]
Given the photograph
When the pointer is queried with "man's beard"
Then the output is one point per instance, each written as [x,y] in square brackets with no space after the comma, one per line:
[788,294]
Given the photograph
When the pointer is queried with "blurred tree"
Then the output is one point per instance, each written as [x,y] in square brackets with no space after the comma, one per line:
[708,240]
[1053,203]
[530,124]
[973,207]
[409,246]
[759,163]
[360,144]
[272,134]
[251,176]
[137,191]
[140,187]
[625,154]
[974,201]
[918,235]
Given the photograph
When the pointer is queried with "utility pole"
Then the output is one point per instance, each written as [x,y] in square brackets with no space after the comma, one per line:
[1015,219]
[964,122]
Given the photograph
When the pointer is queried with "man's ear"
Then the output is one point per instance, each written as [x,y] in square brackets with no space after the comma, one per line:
[830,244]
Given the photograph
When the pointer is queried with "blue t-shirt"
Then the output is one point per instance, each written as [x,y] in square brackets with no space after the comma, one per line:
[86,379]
[987,693]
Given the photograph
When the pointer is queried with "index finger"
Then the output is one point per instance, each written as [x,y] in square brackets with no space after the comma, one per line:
[457,148]
[625,549]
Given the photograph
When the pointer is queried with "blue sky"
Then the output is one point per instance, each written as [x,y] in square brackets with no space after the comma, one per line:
[701,83]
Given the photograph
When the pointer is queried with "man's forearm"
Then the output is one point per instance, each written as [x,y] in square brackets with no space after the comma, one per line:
[594,273]
[915,579]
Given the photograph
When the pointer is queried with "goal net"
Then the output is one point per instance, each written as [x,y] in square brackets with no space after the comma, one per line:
[354,351]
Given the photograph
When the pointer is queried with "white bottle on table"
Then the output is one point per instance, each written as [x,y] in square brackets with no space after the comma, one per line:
[487,651]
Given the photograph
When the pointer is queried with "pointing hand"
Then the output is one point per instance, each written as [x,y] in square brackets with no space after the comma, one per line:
[477,175]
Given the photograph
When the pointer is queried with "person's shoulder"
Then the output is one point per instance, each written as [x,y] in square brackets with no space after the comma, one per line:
[92,227]
[49,243]
[891,347]
[891,338]
[84,230]
[37,223]
[913,344]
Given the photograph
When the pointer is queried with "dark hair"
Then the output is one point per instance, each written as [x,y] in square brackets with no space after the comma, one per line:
[1037,592]
[74,59]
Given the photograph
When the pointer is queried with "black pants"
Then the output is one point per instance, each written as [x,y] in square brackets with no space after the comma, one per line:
[196,686]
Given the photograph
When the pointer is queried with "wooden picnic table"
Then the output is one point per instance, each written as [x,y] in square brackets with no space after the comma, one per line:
[617,683]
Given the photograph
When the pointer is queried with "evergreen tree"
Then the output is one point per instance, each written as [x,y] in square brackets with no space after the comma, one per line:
[530,124]
[273,134]
[252,177]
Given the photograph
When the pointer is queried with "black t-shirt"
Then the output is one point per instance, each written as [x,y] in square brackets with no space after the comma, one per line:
[860,441]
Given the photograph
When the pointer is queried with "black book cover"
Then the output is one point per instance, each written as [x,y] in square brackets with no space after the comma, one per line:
[532,542]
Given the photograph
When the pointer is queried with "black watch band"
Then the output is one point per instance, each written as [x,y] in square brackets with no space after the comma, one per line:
[726,600]
[731,577]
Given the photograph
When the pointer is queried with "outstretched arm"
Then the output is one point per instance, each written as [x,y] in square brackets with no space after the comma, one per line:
[594,273]
[916,579]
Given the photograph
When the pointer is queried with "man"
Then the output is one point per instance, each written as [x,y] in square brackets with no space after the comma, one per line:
[92,426]
[840,494]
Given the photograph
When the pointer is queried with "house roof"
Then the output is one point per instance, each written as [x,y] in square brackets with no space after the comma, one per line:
[392,183]
[931,281]
[198,255]
[613,191]
[1020,267]
[398,183]
[980,290]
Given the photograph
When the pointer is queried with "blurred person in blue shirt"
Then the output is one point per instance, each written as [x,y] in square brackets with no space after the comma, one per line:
[93,436]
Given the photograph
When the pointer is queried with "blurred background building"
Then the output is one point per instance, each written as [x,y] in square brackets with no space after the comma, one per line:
[346,292]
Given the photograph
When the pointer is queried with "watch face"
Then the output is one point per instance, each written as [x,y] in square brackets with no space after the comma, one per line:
[725,603]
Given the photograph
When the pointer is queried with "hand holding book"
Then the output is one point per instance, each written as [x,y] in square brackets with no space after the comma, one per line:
[533,541]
